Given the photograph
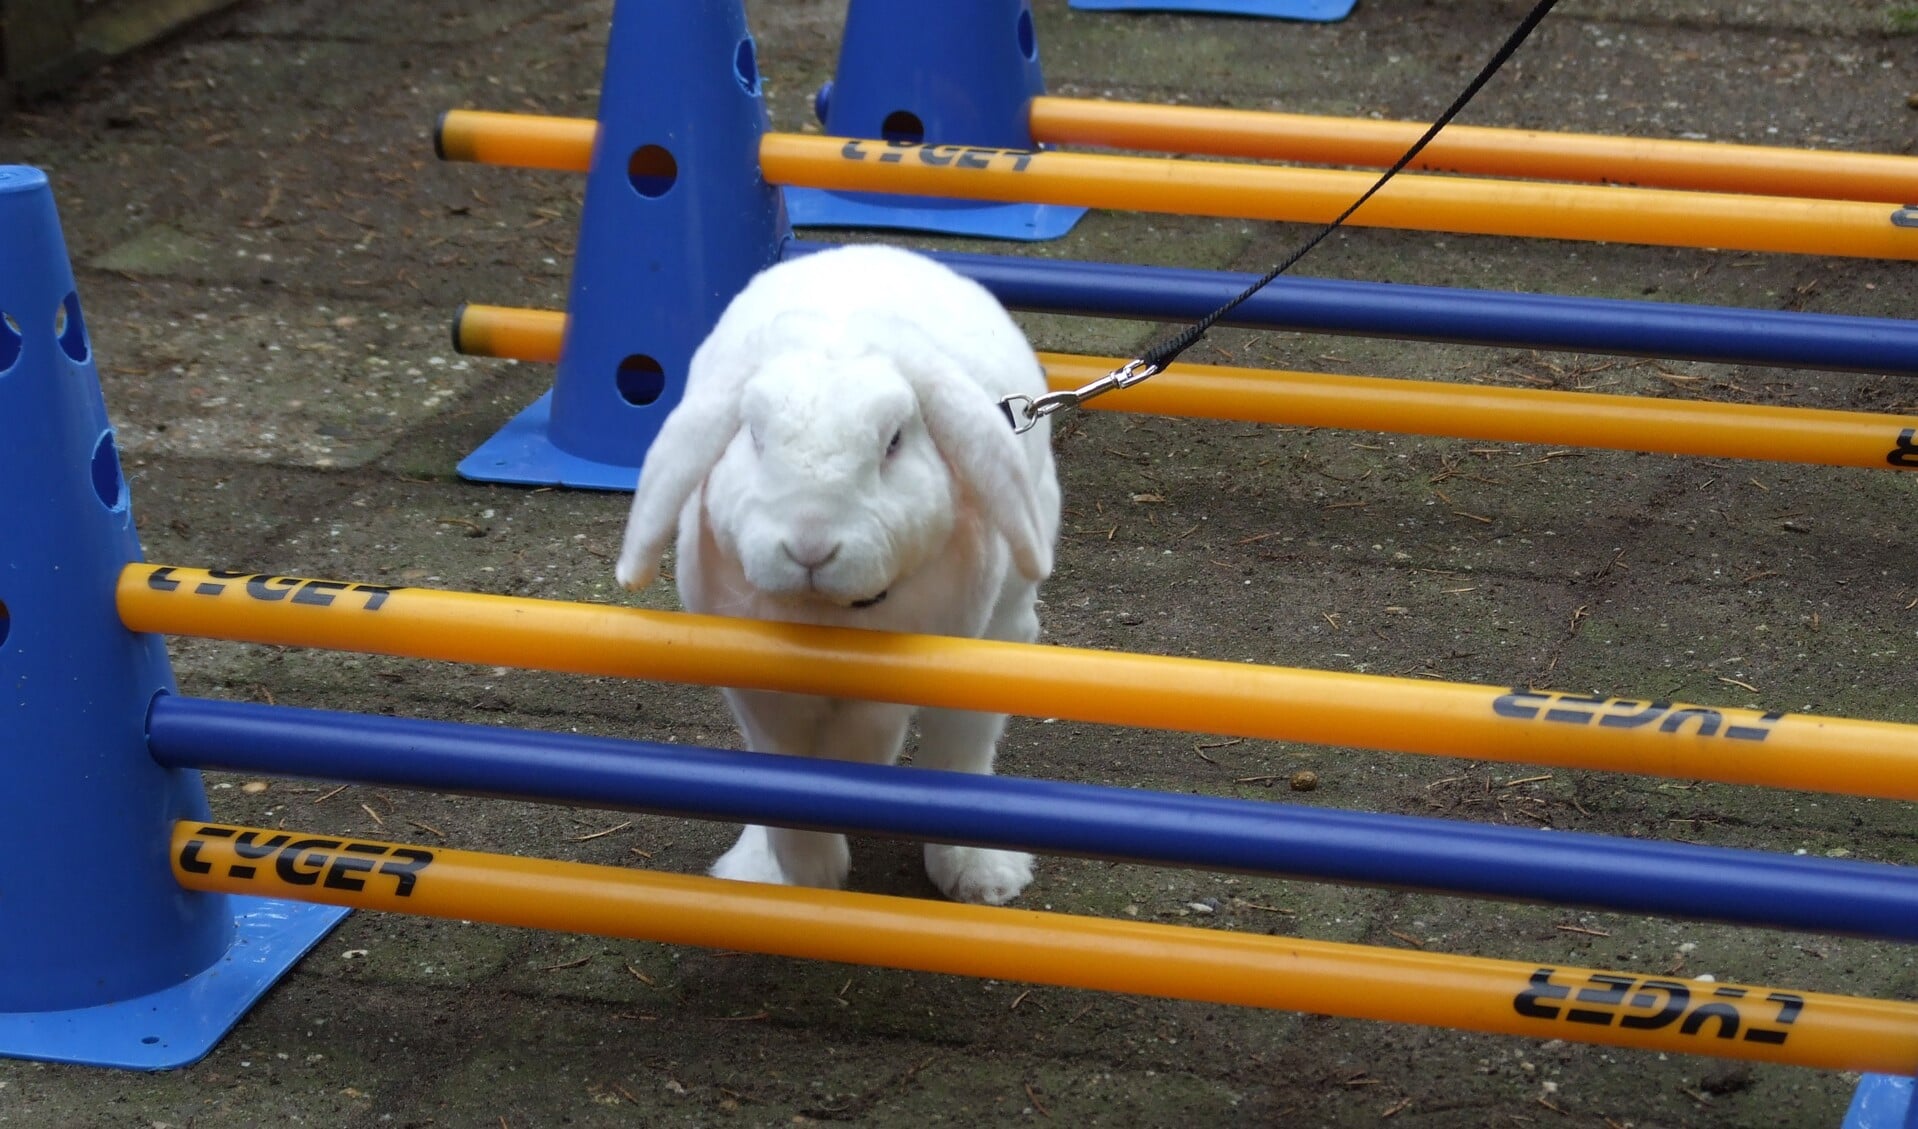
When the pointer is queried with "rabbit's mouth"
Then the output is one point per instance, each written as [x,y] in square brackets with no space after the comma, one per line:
[870,601]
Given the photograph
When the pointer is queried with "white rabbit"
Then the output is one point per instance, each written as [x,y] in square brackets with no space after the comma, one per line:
[840,457]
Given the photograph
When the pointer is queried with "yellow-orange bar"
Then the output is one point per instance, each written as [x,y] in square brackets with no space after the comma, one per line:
[1594,158]
[509,331]
[1471,993]
[530,141]
[1411,715]
[1406,407]
[1520,415]
[1422,203]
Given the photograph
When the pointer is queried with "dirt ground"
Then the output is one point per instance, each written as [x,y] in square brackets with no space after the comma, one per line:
[270,256]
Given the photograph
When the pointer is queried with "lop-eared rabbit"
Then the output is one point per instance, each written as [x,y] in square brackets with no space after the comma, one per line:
[839,457]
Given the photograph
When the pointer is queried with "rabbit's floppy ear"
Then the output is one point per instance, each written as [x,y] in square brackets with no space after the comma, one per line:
[982,449]
[692,439]
[689,443]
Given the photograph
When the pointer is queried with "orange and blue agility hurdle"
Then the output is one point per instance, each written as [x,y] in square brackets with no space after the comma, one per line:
[1672,330]
[95,699]
[179,907]
[650,216]
[1116,824]
[1818,436]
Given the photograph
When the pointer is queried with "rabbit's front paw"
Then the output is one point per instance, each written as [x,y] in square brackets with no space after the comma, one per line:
[820,859]
[750,860]
[976,874]
[787,858]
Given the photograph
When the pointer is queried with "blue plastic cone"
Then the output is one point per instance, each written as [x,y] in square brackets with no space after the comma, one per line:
[947,74]
[677,219]
[1883,1101]
[103,958]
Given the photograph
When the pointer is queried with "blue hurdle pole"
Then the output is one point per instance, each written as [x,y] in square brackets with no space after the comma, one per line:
[104,960]
[1724,334]
[1627,875]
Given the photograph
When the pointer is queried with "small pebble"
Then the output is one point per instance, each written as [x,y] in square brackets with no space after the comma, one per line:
[1912,99]
[253,787]
[1305,780]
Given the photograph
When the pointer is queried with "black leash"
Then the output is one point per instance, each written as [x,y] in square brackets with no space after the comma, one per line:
[1024,411]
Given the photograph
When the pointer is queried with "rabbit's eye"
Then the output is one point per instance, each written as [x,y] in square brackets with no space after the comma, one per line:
[892,448]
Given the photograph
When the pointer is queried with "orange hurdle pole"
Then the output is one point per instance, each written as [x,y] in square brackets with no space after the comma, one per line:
[1408,715]
[1420,203]
[1591,158]
[512,332]
[1543,1001]
[529,141]
[533,141]
[1520,415]
[1406,407]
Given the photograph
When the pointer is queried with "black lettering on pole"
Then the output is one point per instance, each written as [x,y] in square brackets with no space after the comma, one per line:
[896,151]
[1677,996]
[851,151]
[339,876]
[247,844]
[160,579]
[1646,712]
[1708,720]
[1527,1003]
[1789,1005]
[189,855]
[319,593]
[211,588]
[1576,717]
[376,595]
[1756,732]
[936,155]
[1612,995]
[244,846]
[1904,453]
[270,588]
[1512,705]
[976,158]
[1627,713]
[190,860]
[287,865]
[1726,1014]
[1025,158]
[406,872]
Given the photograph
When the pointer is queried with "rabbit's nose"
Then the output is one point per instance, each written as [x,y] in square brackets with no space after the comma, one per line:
[810,554]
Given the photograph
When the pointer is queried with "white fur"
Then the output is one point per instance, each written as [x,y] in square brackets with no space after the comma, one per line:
[774,474]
